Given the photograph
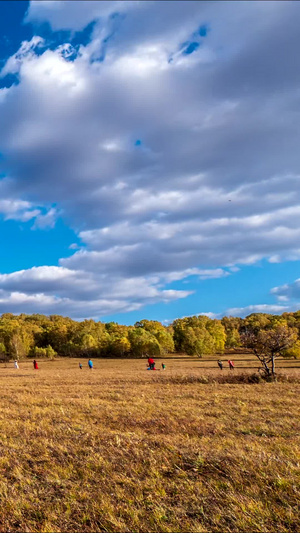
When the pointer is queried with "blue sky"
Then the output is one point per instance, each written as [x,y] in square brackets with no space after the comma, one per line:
[149,158]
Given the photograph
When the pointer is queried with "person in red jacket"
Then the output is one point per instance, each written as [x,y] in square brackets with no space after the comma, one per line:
[151,363]
[35,365]
[231,365]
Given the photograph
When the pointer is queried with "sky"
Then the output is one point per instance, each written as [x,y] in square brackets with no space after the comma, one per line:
[149,158]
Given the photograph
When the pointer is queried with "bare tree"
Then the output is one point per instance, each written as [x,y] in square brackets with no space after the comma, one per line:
[267,345]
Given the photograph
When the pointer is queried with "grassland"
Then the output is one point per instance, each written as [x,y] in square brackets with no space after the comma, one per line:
[123,449]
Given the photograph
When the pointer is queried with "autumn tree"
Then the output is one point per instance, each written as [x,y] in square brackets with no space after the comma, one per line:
[292,351]
[197,341]
[142,342]
[269,344]
[3,354]
[199,335]
[160,332]
[118,346]
[45,336]
[232,327]
[255,322]
[218,334]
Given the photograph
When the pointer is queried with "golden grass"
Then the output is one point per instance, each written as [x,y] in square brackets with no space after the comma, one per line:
[123,449]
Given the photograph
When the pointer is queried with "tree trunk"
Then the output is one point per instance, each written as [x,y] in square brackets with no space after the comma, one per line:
[273,365]
[264,364]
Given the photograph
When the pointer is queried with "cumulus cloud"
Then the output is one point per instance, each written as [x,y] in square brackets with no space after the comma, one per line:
[169,142]
[18,302]
[200,273]
[26,50]
[46,220]
[289,291]
[209,314]
[52,289]
[259,308]
[65,15]
[13,209]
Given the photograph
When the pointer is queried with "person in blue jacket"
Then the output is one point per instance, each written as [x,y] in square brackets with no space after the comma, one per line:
[90,363]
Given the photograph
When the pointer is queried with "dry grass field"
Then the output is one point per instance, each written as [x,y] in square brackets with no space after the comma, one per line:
[121,449]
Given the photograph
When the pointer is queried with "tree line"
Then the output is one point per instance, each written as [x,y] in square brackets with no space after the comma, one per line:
[48,336]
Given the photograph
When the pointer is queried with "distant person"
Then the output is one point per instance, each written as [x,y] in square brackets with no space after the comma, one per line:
[16,364]
[220,364]
[151,363]
[80,366]
[90,364]
[231,365]
[163,366]
[35,365]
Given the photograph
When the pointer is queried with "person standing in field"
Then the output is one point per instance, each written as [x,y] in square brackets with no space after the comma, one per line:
[90,364]
[35,365]
[163,366]
[80,366]
[220,364]
[231,365]
[16,364]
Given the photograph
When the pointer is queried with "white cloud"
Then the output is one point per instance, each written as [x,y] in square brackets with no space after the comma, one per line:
[167,169]
[46,220]
[287,292]
[71,15]
[209,314]
[78,293]
[259,308]
[17,302]
[201,274]
[13,209]
[26,51]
